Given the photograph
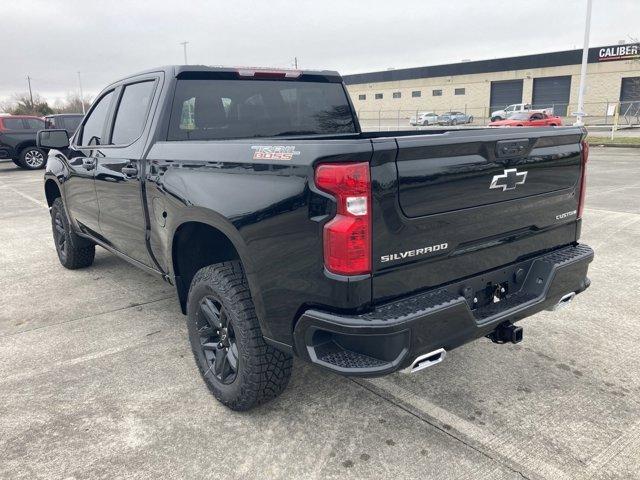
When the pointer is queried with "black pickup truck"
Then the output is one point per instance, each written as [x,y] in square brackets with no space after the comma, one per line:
[288,231]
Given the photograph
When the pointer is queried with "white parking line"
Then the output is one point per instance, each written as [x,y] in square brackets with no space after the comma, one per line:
[24,195]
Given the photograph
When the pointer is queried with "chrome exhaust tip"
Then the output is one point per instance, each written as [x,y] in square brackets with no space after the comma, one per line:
[564,301]
[425,361]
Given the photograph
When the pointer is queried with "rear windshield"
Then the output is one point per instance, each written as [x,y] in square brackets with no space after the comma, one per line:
[224,109]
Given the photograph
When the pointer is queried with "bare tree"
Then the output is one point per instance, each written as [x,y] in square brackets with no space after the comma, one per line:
[72,104]
[21,104]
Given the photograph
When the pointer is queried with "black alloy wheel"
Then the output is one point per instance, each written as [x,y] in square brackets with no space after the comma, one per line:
[217,340]
[60,236]
[236,364]
[73,251]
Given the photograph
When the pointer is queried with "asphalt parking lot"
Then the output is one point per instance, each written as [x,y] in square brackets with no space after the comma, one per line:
[97,378]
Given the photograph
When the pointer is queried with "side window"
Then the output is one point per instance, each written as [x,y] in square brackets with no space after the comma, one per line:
[34,123]
[13,124]
[132,112]
[93,127]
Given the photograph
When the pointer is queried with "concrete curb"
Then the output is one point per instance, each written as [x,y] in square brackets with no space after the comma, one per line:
[614,145]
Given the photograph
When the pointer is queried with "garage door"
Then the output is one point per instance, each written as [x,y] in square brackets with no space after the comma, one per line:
[630,96]
[505,93]
[552,92]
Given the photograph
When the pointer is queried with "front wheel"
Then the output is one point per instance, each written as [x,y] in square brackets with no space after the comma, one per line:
[470,120]
[237,365]
[32,158]
[73,251]
[454,122]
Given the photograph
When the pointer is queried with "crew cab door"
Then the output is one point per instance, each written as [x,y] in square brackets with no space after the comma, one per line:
[80,191]
[120,170]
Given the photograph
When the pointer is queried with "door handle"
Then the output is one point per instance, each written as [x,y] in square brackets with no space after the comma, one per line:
[130,171]
[89,163]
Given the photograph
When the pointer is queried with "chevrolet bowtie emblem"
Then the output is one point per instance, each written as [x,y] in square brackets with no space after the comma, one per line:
[509,179]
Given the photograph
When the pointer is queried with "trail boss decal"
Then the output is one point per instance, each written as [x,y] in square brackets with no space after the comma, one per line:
[274,152]
[413,253]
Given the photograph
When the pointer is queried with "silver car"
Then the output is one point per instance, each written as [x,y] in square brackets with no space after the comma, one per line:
[454,118]
[424,118]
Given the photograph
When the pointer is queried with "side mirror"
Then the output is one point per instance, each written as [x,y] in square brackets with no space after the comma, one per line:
[52,139]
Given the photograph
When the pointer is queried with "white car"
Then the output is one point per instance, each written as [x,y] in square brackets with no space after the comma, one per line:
[424,118]
[510,110]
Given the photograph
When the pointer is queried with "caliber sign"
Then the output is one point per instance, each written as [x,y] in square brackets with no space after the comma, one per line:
[619,52]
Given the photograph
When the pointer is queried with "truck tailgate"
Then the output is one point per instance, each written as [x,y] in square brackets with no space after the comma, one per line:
[456,204]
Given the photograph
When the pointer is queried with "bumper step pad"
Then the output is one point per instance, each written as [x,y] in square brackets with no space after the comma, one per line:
[388,337]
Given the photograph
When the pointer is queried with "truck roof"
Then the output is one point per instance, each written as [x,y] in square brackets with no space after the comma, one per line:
[206,71]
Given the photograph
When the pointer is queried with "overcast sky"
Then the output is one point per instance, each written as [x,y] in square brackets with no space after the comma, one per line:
[52,40]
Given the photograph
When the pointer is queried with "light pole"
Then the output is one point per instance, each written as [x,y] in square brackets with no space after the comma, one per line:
[30,92]
[583,70]
[81,95]
[184,47]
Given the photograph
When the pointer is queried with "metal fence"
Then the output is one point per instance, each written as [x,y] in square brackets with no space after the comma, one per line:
[598,113]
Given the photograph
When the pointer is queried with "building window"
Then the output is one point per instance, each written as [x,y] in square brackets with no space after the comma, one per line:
[437,93]
[378,96]
[397,94]
[416,93]
[459,91]
[362,97]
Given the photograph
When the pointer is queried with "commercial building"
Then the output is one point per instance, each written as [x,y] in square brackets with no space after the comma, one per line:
[479,87]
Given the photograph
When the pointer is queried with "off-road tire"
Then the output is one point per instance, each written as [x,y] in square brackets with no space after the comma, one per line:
[263,372]
[73,251]
[32,158]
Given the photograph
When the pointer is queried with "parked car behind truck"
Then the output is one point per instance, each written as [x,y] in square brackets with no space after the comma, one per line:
[454,118]
[424,119]
[288,231]
[18,141]
[535,119]
[65,121]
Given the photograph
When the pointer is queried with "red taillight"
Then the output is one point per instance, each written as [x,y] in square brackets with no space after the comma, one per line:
[347,237]
[583,177]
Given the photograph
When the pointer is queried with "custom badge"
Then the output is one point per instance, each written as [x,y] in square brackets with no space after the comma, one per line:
[274,152]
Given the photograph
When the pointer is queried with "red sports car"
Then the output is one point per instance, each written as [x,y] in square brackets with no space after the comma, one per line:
[535,119]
